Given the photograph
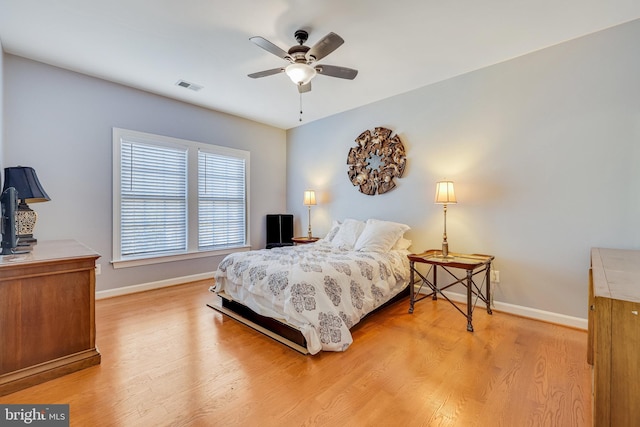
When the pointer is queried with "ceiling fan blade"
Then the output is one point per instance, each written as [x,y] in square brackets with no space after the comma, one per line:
[304,88]
[335,71]
[270,47]
[266,73]
[325,46]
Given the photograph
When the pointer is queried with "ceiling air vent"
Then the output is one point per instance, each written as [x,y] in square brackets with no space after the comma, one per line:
[188,85]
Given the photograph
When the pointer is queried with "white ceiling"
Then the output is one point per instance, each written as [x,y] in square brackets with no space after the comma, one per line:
[397,45]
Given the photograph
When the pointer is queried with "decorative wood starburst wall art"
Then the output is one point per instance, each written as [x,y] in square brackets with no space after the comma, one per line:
[375,161]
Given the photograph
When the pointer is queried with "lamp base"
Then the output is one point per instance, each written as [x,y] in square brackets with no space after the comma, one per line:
[445,251]
[25,222]
[25,219]
[26,240]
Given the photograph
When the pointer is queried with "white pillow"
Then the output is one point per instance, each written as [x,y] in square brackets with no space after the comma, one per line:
[348,234]
[335,226]
[379,236]
[402,244]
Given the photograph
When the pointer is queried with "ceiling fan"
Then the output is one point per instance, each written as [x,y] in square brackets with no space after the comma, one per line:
[301,69]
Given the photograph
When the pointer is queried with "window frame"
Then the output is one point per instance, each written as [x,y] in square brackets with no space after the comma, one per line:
[192,147]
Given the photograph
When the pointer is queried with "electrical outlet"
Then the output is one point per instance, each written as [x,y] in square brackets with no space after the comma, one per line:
[495,276]
[98,269]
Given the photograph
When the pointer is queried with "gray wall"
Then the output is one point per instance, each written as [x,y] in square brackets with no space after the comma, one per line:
[60,122]
[544,151]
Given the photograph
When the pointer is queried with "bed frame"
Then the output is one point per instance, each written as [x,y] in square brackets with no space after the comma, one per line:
[273,328]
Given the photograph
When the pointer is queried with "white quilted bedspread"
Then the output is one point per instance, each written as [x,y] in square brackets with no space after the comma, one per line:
[318,288]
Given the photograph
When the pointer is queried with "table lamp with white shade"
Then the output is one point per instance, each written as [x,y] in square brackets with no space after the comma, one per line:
[309,200]
[445,195]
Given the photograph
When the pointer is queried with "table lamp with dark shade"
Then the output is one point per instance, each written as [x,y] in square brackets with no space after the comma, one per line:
[25,181]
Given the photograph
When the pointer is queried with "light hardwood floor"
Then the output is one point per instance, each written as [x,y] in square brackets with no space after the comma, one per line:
[168,360]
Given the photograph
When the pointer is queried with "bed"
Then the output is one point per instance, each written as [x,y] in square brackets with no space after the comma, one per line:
[310,296]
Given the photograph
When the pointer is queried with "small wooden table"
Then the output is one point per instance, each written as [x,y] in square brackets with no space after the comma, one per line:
[304,240]
[47,313]
[473,264]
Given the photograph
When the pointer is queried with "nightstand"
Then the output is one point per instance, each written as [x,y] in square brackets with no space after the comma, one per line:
[304,240]
[471,264]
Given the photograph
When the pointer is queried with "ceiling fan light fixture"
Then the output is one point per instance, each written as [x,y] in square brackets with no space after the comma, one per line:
[300,73]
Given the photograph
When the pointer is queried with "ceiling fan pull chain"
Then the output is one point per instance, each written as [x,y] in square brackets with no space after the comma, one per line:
[300,107]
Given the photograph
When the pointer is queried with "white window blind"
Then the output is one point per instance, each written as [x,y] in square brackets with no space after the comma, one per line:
[153,199]
[221,200]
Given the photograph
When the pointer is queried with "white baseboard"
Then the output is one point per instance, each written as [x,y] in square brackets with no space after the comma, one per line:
[125,290]
[532,313]
[518,310]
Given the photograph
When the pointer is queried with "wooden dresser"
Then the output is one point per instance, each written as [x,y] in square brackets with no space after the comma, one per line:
[47,317]
[614,336]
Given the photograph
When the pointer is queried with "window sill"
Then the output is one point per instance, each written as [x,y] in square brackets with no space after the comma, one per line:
[124,263]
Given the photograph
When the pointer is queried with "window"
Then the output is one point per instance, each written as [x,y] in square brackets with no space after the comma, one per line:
[153,199]
[221,200]
[176,199]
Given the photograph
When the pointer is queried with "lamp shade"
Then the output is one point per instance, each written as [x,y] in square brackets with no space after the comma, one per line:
[445,193]
[309,198]
[299,73]
[25,181]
